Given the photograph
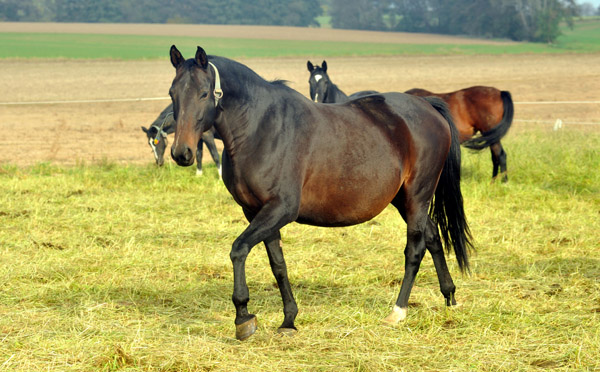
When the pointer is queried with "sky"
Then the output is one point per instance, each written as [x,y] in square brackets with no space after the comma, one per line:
[594,2]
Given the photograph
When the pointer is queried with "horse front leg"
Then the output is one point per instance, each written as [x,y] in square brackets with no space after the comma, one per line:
[209,139]
[199,151]
[264,225]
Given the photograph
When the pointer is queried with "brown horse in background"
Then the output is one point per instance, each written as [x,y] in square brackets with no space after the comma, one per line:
[486,110]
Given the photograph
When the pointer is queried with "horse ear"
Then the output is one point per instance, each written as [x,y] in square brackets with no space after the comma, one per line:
[201,58]
[176,57]
[144,129]
[324,66]
[310,66]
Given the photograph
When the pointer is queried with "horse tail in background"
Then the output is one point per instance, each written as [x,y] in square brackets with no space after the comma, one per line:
[494,135]
[447,209]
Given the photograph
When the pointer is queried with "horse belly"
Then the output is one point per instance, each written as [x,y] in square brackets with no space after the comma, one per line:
[332,198]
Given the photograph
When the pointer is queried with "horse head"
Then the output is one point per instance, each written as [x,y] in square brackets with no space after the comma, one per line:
[195,92]
[319,81]
[157,139]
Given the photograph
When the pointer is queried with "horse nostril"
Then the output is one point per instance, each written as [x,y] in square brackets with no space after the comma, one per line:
[187,154]
[183,156]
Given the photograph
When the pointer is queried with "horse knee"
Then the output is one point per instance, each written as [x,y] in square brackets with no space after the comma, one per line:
[239,252]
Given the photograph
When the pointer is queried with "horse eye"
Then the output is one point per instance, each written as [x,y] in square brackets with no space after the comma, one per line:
[204,95]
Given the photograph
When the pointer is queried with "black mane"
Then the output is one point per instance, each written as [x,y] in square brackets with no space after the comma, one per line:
[242,73]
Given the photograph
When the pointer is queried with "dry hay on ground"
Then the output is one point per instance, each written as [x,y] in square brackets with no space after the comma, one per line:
[68,133]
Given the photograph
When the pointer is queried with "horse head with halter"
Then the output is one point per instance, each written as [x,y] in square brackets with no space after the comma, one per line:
[197,87]
[319,81]
[157,139]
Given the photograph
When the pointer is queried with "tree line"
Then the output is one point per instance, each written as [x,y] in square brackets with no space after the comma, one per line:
[530,20]
[244,12]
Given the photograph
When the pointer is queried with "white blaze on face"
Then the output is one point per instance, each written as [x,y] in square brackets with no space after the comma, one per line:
[154,150]
[317,78]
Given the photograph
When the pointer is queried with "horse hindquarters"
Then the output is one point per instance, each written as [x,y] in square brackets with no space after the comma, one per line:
[499,130]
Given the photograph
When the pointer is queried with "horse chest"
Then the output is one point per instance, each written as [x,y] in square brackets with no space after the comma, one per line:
[244,195]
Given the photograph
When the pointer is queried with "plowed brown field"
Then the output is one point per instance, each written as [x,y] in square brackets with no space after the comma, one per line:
[67,133]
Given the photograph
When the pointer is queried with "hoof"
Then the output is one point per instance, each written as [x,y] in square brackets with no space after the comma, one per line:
[398,314]
[246,329]
[198,172]
[290,332]
[451,301]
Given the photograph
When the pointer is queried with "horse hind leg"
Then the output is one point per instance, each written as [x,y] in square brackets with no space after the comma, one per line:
[421,235]
[413,253]
[499,161]
[495,151]
[434,246]
[502,160]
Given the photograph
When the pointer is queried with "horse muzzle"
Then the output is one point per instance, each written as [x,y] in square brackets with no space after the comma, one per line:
[183,155]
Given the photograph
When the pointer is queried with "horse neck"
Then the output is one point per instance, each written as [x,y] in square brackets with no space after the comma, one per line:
[335,95]
[241,112]
[165,120]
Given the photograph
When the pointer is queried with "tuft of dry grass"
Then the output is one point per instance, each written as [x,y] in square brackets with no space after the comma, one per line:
[126,268]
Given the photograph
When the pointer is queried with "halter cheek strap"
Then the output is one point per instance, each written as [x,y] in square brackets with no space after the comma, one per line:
[218,91]
[160,131]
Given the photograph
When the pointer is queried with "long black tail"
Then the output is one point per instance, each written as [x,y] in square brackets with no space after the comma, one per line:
[494,135]
[447,209]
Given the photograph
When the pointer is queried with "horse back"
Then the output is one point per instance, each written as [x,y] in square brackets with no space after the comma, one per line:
[405,115]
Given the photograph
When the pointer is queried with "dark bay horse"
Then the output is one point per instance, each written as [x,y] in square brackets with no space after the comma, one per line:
[277,164]
[323,90]
[486,110]
[164,125]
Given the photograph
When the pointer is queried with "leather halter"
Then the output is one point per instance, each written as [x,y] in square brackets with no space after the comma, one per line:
[218,91]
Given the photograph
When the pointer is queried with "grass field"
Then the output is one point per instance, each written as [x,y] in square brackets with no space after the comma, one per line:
[121,268]
[116,266]
[128,47]
[584,38]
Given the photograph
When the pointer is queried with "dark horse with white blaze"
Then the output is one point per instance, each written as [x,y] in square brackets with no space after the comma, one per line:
[482,109]
[277,164]
[323,90]
[164,125]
